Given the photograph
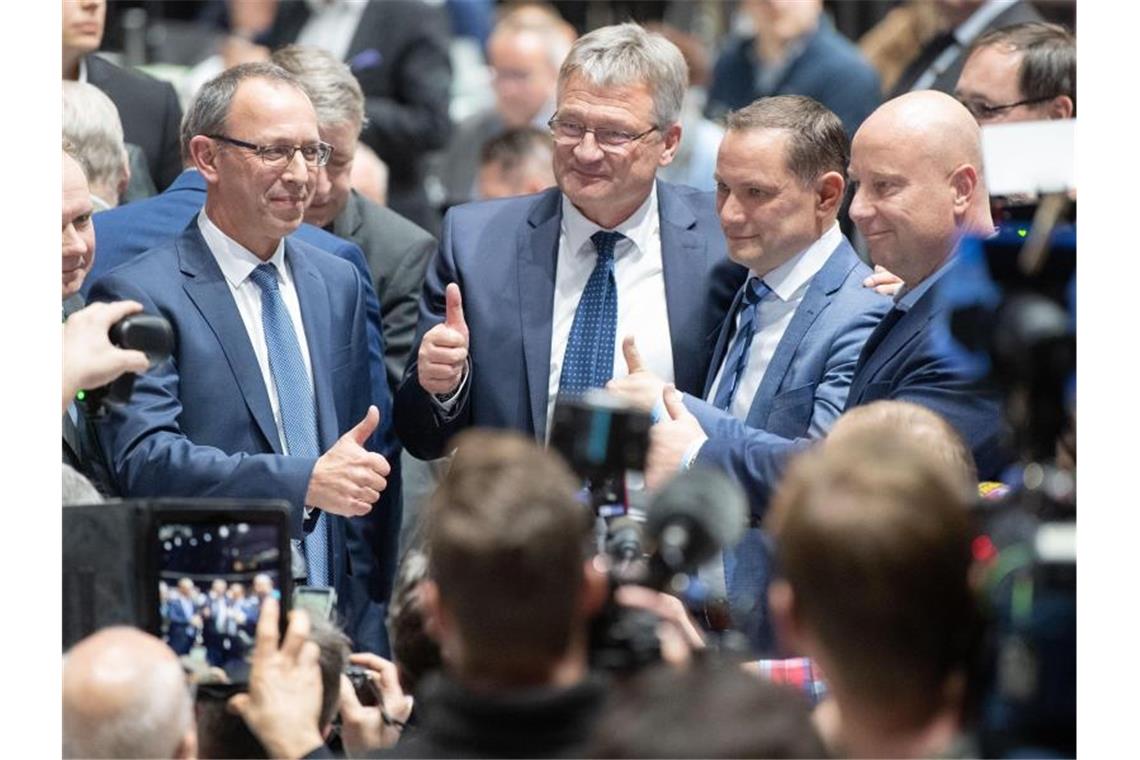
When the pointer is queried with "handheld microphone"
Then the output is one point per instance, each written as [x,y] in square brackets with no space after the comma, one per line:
[693,517]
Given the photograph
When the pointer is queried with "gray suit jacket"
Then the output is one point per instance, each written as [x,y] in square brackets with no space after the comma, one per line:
[398,252]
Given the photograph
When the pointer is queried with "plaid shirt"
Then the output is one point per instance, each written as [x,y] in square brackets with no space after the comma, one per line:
[798,672]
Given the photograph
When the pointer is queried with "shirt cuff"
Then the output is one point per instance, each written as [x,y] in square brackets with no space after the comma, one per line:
[691,453]
[445,404]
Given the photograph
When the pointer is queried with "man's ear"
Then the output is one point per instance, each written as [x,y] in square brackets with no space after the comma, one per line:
[964,182]
[672,137]
[187,748]
[595,588]
[204,153]
[829,193]
[124,179]
[1060,107]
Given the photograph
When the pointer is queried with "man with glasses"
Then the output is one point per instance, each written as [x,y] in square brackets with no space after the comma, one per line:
[1026,72]
[530,297]
[268,392]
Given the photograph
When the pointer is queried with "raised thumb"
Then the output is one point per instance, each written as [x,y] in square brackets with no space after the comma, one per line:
[674,404]
[454,316]
[632,355]
[364,429]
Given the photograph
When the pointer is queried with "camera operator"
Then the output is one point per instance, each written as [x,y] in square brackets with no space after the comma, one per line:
[874,549]
[125,695]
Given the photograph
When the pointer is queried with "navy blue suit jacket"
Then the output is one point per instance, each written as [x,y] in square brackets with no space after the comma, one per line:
[907,364]
[200,424]
[503,255]
[804,388]
[830,69]
[125,232]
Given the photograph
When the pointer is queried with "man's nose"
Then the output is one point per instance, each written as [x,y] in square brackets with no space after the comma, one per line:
[587,150]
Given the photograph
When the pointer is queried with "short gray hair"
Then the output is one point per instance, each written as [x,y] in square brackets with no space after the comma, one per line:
[330,84]
[626,55]
[208,110]
[92,126]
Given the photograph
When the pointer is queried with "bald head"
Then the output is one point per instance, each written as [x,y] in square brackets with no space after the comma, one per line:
[124,695]
[917,166]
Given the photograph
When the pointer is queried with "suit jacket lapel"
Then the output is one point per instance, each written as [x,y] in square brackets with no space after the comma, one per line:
[683,259]
[315,310]
[537,264]
[349,221]
[910,326]
[207,288]
[820,293]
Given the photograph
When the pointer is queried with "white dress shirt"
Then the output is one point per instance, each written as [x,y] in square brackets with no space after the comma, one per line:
[964,36]
[639,276]
[789,283]
[237,263]
[332,25]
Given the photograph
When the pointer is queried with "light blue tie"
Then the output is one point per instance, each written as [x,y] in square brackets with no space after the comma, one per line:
[737,358]
[295,398]
[589,360]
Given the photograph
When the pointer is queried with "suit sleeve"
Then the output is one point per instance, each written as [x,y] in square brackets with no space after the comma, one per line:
[420,424]
[417,120]
[756,459]
[400,305]
[149,455]
[839,369]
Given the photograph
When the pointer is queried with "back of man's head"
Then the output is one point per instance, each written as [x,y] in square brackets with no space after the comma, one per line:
[223,734]
[91,124]
[873,546]
[414,652]
[708,709]
[1021,73]
[506,541]
[518,161]
[125,695]
[918,426]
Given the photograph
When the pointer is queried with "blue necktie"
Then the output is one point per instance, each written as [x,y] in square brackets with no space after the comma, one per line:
[589,360]
[737,358]
[295,397]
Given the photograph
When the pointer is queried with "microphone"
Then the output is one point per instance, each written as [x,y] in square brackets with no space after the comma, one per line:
[693,517]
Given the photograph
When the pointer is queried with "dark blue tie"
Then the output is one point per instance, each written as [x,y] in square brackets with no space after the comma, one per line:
[737,358]
[295,398]
[589,360]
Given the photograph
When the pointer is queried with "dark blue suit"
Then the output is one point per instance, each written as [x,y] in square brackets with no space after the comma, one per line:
[181,633]
[802,393]
[830,69]
[200,424]
[503,255]
[125,232]
[907,364]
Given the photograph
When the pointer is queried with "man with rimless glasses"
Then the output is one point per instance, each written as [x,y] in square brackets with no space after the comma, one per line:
[267,394]
[532,296]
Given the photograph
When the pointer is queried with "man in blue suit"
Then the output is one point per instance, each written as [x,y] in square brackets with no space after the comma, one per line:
[919,188]
[526,295]
[267,394]
[786,352]
[126,232]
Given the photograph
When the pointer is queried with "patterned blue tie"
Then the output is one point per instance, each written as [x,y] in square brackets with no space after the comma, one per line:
[737,359]
[589,360]
[295,398]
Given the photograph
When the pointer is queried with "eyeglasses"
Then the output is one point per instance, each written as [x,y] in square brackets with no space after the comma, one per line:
[572,133]
[980,110]
[279,156]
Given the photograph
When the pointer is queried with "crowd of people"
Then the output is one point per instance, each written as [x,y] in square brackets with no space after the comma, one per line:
[379,292]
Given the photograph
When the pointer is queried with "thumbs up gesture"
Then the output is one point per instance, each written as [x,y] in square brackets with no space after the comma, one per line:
[640,387]
[671,439]
[443,350]
[347,479]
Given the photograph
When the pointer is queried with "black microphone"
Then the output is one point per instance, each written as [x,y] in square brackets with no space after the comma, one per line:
[693,517]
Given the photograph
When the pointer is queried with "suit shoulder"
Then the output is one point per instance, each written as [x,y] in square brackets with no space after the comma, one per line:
[141,82]
[510,210]
[391,224]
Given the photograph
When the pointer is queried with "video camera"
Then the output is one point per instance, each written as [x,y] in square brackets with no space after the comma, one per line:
[657,545]
[148,333]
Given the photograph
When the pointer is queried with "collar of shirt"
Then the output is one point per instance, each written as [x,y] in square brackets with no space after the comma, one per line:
[972,28]
[794,274]
[641,225]
[908,297]
[767,76]
[82,75]
[235,260]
